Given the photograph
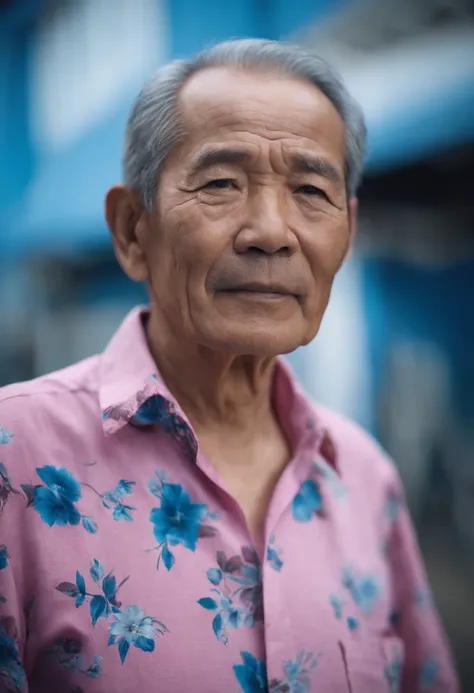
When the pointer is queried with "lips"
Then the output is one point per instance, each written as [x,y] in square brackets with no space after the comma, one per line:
[261,288]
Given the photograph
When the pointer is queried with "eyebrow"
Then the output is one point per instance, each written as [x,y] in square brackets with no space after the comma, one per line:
[302,163]
[215,157]
[306,163]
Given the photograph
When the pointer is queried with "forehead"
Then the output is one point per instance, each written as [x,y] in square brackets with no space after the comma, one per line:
[218,104]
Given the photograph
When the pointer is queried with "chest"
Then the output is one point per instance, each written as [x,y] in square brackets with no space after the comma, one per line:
[249,472]
[141,604]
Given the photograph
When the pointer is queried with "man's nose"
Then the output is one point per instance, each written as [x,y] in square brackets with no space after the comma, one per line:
[266,227]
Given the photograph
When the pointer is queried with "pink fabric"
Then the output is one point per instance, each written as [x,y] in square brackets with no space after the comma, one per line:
[102,479]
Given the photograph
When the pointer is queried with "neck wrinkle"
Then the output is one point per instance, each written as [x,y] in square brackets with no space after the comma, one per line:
[214,389]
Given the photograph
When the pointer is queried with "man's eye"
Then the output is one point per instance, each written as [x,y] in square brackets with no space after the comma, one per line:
[219,184]
[310,190]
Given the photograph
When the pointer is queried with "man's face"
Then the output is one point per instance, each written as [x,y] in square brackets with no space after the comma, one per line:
[252,217]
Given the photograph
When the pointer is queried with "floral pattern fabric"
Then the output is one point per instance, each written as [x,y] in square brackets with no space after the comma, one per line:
[125,565]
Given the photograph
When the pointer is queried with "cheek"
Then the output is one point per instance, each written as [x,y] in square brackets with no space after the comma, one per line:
[196,236]
[326,250]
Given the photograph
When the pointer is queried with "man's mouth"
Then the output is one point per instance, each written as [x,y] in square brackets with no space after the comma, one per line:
[274,290]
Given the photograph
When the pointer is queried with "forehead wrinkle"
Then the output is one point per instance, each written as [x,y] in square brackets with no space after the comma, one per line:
[223,119]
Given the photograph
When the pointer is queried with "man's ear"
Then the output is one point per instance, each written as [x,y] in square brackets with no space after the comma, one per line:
[125,218]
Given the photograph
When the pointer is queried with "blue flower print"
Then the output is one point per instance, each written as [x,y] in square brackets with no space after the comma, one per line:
[332,478]
[67,653]
[124,488]
[155,484]
[232,613]
[54,502]
[6,489]
[156,409]
[393,506]
[393,675]
[119,413]
[423,597]
[253,678]
[5,436]
[114,500]
[297,674]
[89,524]
[12,674]
[214,575]
[274,555]
[122,512]
[367,593]
[352,623]
[3,556]
[429,674]
[391,512]
[132,627]
[101,605]
[365,590]
[178,521]
[274,559]
[307,502]
[337,604]
[237,586]
[252,674]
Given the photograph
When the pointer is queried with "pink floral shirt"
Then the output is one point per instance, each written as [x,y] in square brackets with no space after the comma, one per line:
[125,564]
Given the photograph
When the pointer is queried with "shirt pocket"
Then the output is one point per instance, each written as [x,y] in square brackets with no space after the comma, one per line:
[373,664]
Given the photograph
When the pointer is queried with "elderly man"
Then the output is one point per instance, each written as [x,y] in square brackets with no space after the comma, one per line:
[177,515]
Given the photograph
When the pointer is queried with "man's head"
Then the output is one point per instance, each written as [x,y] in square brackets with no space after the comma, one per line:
[240,169]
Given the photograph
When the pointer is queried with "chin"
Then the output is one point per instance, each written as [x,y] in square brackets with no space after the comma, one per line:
[256,340]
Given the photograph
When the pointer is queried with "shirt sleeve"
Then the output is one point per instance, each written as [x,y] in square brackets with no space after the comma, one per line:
[13,605]
[428,665]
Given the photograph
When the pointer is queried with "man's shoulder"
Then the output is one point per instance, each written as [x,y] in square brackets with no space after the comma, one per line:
[49,420]
[55,392]
[358,455]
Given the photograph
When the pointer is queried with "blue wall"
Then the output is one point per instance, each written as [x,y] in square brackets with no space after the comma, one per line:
[17,158]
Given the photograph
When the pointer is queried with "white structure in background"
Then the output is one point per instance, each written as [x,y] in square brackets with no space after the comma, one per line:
[69,335]
[399,53]
[336,362]
[366,30]
[418,384]
[88,55]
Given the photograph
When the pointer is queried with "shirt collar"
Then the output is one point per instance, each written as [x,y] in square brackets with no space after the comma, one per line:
[132,391]
[128,374]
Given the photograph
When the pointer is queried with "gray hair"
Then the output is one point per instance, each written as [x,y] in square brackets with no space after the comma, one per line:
[154,126]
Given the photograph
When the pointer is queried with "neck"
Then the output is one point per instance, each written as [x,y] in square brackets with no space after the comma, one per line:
[213,388]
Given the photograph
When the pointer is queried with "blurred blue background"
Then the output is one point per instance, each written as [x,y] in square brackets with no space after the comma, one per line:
[395,351]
